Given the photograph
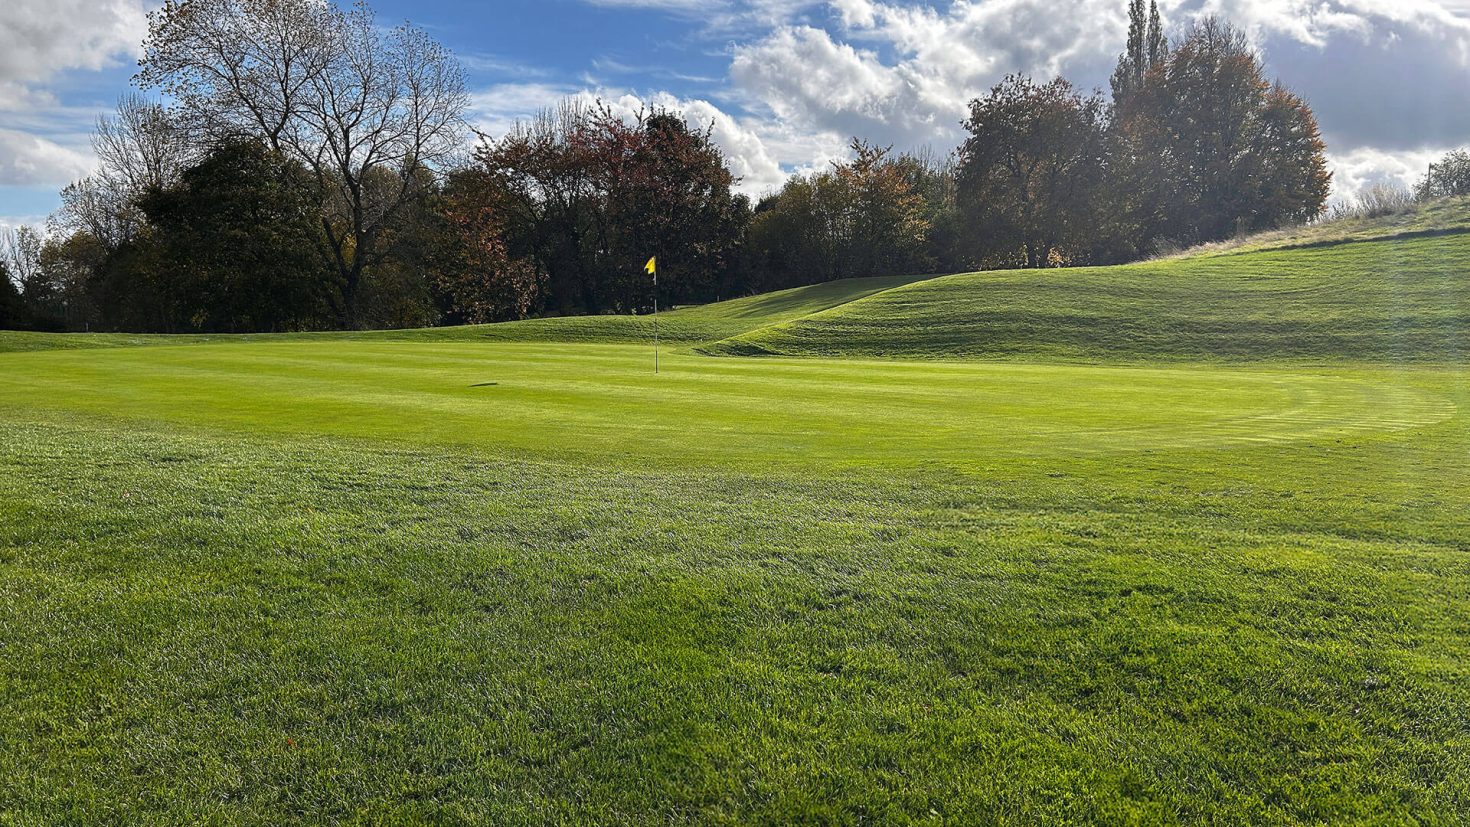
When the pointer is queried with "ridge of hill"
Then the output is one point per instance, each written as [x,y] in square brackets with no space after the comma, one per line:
[1404,298]
[1446,216]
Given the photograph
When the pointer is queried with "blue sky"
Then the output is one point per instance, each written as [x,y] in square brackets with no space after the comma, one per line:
[786,83]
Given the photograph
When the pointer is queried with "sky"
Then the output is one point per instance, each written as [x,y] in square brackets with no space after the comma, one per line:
[785,84]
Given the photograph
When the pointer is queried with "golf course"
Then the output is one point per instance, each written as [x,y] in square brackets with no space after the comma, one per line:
[1178,542]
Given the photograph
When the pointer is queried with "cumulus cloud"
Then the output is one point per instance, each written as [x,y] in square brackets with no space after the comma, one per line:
[1386,77]
[40,38]
[1358,170]
[28,160]
[939,60]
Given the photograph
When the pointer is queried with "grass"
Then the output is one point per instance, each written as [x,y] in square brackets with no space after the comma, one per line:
[1404,300]
[1444,216]
[503,576]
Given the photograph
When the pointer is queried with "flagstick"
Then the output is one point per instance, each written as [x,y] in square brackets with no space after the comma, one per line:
[655,320]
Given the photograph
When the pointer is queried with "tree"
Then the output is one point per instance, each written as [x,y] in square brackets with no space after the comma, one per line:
[1287,163]
[549,197]
[1031,170]
[1147,47]
[236,245]
[887,225]
[1157,44]
[476,277]
[12,309]
[1226,152]
[70,265]
[665,191]
[1450,177]
[363,108]
[589,195]
[867,216]
[20,253]
[140,148]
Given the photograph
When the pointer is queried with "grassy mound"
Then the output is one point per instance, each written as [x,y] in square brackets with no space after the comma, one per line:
[1403,299]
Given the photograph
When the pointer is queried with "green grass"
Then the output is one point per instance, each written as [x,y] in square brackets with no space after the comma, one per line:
[1445,216]
[1385,301]
[505,575]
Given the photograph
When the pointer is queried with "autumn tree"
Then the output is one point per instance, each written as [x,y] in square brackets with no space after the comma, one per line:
[1209,148]
[666,191]
[1031,171]
[862,217]
[550,200]
[474,275]
[590,194]
[1286,166]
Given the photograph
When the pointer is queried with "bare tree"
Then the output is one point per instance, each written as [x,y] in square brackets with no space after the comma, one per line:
[369,111]
[139,149]
[20,253]
[238,68]
[142,147]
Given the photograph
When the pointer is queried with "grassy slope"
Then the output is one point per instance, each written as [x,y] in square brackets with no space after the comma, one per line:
[1447,216]
[702,323]
[1386,300]
[527,582]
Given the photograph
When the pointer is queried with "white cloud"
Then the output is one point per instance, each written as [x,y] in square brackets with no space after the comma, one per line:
[496,109]
[1357,170]
[759,152]
[40,38]
[15,222]
[903,75]
[1386,77]
[28,160]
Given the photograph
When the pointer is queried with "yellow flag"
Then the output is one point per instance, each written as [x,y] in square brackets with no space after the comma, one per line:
[651,267]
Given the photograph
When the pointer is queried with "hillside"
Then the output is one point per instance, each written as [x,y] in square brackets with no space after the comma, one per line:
[686,325]
[1446,216]
[1403,298]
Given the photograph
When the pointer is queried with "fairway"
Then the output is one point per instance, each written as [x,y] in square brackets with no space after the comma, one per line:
[603,403]
[506,574]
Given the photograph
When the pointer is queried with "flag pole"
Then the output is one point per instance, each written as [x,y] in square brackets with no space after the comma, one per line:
[655,319]
[651,268]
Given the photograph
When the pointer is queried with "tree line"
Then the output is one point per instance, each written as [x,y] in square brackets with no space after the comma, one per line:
[314,170]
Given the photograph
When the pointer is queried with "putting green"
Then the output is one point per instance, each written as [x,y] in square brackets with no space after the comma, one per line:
[603,404]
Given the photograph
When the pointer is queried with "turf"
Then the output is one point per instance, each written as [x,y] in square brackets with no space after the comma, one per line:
[508,576]
[1401,300]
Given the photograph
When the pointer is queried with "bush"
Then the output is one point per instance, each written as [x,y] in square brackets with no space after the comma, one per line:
[1377,201]
[1448,178]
